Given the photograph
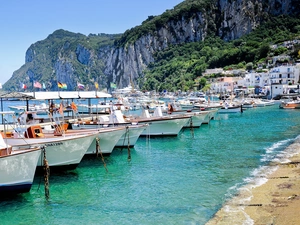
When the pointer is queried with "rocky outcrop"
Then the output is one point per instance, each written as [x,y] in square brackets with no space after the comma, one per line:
[83,55]
[65,73]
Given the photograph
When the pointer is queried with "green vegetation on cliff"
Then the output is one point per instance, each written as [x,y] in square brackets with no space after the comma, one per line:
[186,9]
[42,58]
[178,66]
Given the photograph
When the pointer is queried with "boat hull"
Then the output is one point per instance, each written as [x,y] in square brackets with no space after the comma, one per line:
[164,127]
[63,152]
[212,115]
[231,109]
[108,136]
[197,119]
[130,137]
[17,171]
[289,105]
[107,140]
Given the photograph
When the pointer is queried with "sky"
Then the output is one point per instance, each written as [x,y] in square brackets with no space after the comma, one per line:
[24,22]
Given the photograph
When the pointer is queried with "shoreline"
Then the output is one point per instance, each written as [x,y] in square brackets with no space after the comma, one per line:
[274,198]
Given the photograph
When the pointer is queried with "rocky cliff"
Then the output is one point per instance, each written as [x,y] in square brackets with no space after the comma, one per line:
[72,58]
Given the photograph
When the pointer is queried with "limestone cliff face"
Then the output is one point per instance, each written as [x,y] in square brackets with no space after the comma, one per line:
[241,17]
[229,19]
[124,65]
[232,19]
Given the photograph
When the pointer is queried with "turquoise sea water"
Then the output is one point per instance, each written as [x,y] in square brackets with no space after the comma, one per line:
[171,180]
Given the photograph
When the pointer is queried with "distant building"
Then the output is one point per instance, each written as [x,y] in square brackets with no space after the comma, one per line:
[284,75]
[276,89]
[226,84]
[256,79]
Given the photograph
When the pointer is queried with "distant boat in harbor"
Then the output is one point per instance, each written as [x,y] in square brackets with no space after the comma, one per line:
[294,104]
[230,108]
[40,109]
[160,125]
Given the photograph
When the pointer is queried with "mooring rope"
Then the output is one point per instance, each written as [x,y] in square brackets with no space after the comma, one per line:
[98,150]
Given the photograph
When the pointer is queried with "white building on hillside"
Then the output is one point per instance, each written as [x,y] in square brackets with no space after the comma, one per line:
[278,80]
[226,84]
[256,80]
[284,75]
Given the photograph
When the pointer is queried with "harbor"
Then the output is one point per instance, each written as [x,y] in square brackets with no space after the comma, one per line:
[172,112]
[183,179]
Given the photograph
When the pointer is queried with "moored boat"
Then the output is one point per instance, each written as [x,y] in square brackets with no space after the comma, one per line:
[17,168]
[131,136]
[212,114]
[112,124]
[160,125]
[290,105]
[230,108]
[64,151]
[108,138]
[197,117]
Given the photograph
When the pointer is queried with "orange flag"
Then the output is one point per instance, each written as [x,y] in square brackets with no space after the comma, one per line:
[74,106]
[61,109]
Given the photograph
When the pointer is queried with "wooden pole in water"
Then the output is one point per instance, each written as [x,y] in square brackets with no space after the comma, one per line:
[46,174]
[191,126]
[97,146]
[128,145]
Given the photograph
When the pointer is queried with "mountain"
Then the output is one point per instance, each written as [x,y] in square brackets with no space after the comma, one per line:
[122,59]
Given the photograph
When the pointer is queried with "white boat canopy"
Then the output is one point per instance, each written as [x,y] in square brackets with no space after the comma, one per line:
[46,95]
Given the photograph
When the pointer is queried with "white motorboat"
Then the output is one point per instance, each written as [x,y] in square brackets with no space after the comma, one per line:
[95,108]
[63,151]
[212,115]
[112,123]
[17,108]
[131,136]
[259,103]
[247,104]
[17,168]
[268,102]
[160,125]
[185,104]
[108,137]
[39,109]
[293,104]
[230,108]
[197,117]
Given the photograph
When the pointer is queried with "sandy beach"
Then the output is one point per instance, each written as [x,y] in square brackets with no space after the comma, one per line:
[275,201]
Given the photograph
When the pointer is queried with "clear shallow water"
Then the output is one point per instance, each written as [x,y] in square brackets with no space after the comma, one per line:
[173,180]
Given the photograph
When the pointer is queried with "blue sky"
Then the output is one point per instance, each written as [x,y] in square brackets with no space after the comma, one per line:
[24,22]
